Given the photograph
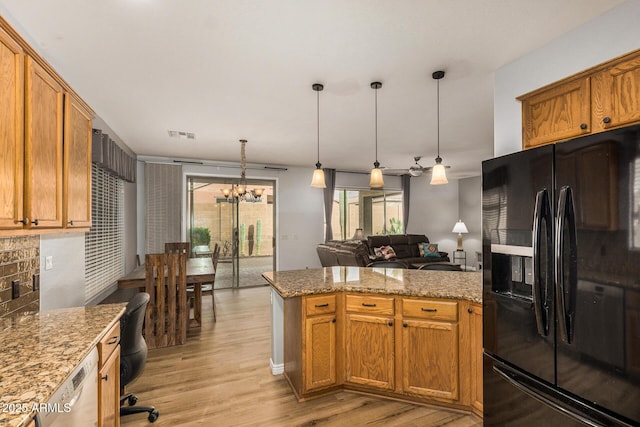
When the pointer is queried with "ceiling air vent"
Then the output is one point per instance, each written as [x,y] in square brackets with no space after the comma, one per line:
[181,135]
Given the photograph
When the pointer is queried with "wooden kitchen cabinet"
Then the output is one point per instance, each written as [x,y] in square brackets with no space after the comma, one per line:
[11,136]
[603,97]
[77,165]
[369,341]
[46,181]
[109,378]
[319,344]
[475,312]
[558,113]
[43,147]
[430,354]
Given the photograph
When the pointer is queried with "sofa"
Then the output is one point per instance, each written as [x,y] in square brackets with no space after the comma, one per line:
[406,249]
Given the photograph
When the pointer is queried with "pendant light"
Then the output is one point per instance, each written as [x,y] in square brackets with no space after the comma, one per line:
[317,181]
[376,180]
[438,175]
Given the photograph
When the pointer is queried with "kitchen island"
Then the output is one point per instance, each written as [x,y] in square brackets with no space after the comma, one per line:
[40,350]
[404,334]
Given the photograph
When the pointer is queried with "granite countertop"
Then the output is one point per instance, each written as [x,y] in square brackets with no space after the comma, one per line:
[418,283]
[40,350]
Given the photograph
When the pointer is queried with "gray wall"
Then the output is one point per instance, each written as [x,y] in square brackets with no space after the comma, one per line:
[470,211]
[609,35]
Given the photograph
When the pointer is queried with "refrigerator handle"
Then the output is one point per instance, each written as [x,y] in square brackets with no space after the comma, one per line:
[541,213]
[566,292]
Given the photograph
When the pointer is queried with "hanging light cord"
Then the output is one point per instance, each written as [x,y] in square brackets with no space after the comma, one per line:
[243,163]
[318,121]
[438,116]
[376,164]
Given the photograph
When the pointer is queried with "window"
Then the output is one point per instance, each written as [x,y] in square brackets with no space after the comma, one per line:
[375,211]
[104,244]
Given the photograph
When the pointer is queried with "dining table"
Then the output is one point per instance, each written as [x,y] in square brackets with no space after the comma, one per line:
[199,271]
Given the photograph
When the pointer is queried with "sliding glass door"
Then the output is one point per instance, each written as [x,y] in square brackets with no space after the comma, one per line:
[243,227]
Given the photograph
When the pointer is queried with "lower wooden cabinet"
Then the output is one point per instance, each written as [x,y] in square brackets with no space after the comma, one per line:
[419,349]
[109,378]
[430,338]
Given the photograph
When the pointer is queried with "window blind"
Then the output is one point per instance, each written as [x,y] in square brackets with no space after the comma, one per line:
[104,244]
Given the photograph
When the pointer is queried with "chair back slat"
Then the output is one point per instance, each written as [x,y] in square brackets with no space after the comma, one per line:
[167,311]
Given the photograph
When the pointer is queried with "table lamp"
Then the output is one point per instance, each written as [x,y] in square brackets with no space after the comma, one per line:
[459,228]
[359,235]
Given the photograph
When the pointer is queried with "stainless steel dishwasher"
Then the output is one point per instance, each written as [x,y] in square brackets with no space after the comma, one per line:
[75,403]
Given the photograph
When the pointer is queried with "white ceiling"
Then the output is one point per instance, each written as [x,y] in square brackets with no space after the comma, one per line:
[233,69]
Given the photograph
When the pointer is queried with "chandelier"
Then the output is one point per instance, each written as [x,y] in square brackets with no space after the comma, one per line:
[240,191]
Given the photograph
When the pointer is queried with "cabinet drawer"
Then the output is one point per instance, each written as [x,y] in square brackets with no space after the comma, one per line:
[321,304]
[370,304]
[109,343]
[430,309]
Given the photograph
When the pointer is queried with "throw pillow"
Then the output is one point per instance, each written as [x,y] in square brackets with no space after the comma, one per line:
[430,250]
[388,252]
[378,252]
[421,248]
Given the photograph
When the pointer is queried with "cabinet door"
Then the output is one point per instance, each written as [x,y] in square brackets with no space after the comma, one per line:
[320,352]
[77,165]
[109,391]
[43,148]
[11,132]
[369,355]
[558,113]
[476,357]
[430,359]
[616,95]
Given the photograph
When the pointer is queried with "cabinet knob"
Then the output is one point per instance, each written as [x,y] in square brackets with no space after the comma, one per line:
[334,320]
[35,222]
[469,310]
[390,323]
[583,126]
[70,222]
[404,325]
[23,221]
[106,377]
[606,120]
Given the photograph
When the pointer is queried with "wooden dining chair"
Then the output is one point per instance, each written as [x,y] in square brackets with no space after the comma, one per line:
[206,288]
[167,312]
[178,247]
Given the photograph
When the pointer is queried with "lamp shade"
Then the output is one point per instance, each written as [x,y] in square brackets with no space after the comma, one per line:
[376,180]
[317,180]
[459,227]
[438,175]
[359,235]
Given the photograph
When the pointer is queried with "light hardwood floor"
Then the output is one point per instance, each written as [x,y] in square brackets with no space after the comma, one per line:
[221,377]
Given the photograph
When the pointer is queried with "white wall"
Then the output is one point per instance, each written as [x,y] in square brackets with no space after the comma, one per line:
[607,36]
[63,285]
[434,211]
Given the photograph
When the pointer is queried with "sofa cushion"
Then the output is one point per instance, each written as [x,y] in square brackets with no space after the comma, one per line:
[416,238]
[377,241]
[402,251]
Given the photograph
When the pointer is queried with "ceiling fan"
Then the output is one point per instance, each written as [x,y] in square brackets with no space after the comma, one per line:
[414,170]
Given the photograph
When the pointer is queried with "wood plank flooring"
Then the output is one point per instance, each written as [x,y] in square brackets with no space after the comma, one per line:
[221,377]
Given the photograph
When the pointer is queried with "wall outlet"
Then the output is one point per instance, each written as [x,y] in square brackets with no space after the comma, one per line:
[48,262]
[15,289]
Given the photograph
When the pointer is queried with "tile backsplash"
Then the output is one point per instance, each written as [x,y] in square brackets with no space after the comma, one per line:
[19,260]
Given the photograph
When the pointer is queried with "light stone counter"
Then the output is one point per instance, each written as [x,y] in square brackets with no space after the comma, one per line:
[391,281]
[39,351]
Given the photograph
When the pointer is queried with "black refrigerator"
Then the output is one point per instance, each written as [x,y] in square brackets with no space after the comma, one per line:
[561,283]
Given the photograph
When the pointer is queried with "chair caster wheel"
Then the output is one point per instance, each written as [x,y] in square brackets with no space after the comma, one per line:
[153,416]
[132,400]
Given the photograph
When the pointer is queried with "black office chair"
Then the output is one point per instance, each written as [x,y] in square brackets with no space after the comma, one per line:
[387,264]
[133,354]
[440,266]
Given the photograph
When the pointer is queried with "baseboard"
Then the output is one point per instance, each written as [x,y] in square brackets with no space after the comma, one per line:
[276,369]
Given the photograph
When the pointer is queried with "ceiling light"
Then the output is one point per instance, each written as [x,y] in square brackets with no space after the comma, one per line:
[438,174]
[376,180]
[317,181]
[239,191]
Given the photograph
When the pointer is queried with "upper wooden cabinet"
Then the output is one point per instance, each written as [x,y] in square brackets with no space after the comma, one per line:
[45,181]
[11,132]
[595,100]
[77,165]
[43,148]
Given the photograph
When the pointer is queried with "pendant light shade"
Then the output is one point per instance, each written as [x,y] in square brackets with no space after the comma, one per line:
[376,180]
[438,174]
[317,181]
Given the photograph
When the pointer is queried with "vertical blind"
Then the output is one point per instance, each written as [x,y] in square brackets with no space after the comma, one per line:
[163,189]
[104,244]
